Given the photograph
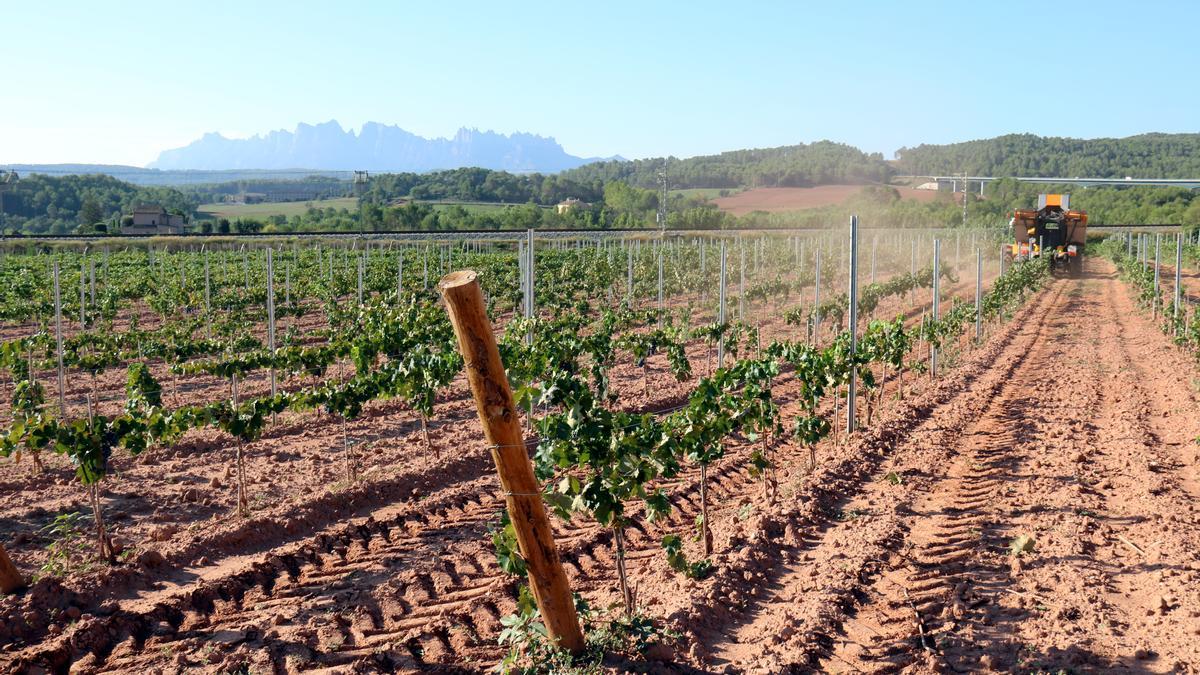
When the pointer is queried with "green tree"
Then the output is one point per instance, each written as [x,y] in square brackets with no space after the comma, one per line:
[90,212]
[1192,215]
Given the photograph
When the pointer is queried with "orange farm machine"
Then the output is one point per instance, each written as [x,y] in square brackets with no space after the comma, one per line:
[1054,230]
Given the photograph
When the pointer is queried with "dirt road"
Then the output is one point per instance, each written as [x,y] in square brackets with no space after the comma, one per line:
[1076,432]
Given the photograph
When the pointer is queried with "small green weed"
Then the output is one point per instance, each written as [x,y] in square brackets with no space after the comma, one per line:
[68,551]
[530,650]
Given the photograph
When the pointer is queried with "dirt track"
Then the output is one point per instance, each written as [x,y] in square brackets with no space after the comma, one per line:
[1076,430]
[1073,424]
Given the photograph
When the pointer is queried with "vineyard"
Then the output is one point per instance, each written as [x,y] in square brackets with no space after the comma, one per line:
[780,451]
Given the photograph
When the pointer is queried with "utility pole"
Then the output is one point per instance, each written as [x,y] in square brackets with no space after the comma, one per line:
[361,181]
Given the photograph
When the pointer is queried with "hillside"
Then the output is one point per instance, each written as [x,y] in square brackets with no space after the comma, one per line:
[56,204]
[1144,156]
[820,163]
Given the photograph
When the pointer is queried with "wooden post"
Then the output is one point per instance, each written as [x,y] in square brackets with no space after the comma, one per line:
[502,429]
[10,578]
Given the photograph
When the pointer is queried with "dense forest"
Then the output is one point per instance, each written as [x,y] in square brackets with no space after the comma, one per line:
[481,185]
[274,189]
[791,166]
[57,204]
[821,163]
[1104,205]
[620,206]
[1144,156]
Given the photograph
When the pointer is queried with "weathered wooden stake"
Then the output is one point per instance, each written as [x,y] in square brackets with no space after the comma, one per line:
[502,429]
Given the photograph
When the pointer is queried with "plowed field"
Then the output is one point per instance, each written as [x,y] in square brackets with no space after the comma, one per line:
[1071,430]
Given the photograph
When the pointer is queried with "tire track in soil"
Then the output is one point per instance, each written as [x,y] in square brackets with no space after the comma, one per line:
[1081,472]
[269,531]
[222,609]
[792,627]
[338,562]
[425,617]
[916,610]
[1133,568]
[416,589]
[1172,397]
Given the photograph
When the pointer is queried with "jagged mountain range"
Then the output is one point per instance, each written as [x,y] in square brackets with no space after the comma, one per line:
[375,147]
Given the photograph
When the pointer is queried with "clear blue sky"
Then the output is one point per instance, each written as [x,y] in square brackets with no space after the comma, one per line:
[118,81]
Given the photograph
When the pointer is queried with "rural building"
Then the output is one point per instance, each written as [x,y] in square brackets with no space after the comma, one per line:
[152,219]
[571,204]
[293,195]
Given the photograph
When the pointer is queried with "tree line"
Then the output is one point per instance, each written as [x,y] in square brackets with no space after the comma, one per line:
[275,189]
[1135,205]
[1144,156]
[481,185]
[42,204]
[631,208]
[821,163]
[626,194]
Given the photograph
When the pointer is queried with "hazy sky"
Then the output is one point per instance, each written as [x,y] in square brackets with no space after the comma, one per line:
[116,82]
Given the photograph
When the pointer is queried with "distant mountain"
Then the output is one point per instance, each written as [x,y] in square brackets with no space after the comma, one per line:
[141,176]
[376,147]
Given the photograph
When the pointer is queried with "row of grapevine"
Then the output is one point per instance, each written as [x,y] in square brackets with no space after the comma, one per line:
[599,461]
[1141,269]
[209,309]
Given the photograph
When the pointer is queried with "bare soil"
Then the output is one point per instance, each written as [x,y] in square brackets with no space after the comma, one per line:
[1076,428]
[1073,424]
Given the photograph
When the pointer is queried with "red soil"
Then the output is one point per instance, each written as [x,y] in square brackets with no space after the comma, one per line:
[1072,424]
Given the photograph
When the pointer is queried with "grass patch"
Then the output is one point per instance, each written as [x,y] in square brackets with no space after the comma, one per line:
[707,193]
[265,210]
